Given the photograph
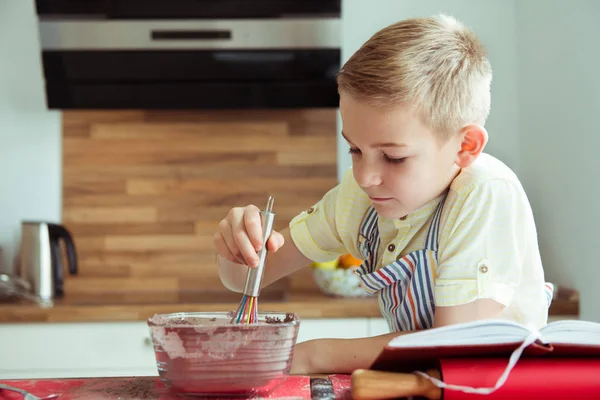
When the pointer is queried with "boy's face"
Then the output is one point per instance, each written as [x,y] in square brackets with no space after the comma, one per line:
[399,162]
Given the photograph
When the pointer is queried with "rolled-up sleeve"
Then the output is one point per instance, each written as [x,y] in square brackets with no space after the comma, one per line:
[482,244]
[316,231]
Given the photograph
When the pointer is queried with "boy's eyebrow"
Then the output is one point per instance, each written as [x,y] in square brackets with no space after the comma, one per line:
[379,145]
[346,137]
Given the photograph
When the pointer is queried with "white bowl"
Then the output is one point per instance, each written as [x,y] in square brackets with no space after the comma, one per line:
[340,282]
[203,354]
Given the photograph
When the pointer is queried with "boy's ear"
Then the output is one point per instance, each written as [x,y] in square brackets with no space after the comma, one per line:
[473,139]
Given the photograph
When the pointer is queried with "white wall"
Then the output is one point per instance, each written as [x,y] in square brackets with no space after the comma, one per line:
[30,147]
[492,20]
[559,80]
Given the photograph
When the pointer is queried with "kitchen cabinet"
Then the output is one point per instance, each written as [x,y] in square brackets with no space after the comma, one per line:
[43,350]
[60,350]
[377,326]
[345,328]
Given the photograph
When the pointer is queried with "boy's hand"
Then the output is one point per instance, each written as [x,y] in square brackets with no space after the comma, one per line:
[239,236]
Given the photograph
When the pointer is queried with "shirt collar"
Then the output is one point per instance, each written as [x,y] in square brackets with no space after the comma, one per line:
[420,215]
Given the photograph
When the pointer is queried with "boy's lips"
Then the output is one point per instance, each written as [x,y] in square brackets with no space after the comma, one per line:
[380,199]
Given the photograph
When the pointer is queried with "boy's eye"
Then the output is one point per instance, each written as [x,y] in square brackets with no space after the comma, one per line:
[394,160]
[386,158]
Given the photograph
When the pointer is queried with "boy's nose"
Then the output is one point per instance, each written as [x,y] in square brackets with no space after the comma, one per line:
[367,177]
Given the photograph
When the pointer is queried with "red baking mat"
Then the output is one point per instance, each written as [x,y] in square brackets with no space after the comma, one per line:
[131,388]
[342,386]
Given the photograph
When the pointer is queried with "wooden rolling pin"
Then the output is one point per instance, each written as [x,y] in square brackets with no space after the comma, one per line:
[373,385]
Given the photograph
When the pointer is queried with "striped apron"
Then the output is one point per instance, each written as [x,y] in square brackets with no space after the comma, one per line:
[404,287]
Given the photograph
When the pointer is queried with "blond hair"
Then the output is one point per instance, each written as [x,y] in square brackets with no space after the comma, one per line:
[434,64]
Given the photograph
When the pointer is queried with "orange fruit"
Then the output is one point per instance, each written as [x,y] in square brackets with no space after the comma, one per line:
[348,260]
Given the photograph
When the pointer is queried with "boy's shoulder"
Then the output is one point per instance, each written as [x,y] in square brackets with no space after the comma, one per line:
[484,172]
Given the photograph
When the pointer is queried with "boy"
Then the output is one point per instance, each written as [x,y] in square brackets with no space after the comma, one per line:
[445,230]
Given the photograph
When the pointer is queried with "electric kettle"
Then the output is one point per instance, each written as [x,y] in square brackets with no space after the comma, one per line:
[40,259]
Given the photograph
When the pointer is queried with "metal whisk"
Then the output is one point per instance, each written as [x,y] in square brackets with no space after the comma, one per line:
[247,311]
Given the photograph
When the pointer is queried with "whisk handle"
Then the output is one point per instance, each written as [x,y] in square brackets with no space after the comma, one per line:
[254,277]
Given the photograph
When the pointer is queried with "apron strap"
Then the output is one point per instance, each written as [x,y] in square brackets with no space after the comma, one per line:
[368,240]
[432,240]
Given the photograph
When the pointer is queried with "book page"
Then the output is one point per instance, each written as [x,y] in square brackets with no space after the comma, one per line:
[495,331]
[572,332]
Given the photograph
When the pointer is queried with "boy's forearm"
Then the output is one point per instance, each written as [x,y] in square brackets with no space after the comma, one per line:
[331,356]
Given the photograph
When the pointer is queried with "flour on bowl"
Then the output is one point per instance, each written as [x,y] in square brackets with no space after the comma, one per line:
[204,353]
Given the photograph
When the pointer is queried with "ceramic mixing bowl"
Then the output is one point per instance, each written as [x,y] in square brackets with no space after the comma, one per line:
[203,354]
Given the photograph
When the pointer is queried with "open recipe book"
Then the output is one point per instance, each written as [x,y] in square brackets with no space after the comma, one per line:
[490,338]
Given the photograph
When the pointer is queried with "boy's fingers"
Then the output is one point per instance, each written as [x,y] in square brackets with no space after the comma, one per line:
[253,225]
[231,246]
[240,237]
[222,248]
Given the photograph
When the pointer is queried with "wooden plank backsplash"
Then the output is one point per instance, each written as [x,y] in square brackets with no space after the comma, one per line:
[143,192]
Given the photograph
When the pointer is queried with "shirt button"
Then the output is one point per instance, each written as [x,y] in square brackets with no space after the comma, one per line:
[391,247]
[403,218]
[483,269]
[310,210]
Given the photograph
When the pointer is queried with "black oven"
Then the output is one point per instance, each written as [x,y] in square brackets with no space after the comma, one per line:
[184,54]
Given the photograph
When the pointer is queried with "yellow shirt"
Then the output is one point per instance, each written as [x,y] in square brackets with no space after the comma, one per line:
[487,240]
